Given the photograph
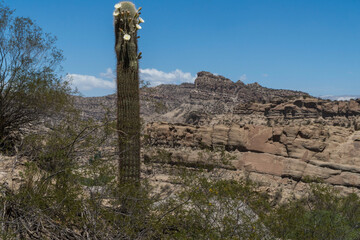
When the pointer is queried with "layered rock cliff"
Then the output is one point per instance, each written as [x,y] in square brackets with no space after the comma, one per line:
[281,139]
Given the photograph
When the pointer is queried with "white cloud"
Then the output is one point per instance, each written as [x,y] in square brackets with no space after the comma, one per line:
[243,77]
[265,75]
[345,98]
[87,83]
[109,74]
[107,79]
[340,98]
[157,77]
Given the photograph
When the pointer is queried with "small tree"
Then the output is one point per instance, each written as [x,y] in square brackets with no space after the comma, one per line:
[30,86]
[126,21]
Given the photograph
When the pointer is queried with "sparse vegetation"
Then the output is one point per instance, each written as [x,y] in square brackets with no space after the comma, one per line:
[64,195]
[160,107]
[70,183]
[83,201]
[30,85]
[323,214]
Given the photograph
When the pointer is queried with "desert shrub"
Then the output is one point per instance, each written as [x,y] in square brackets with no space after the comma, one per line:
[30,84]
[206,207]
[323,214]
[160,107]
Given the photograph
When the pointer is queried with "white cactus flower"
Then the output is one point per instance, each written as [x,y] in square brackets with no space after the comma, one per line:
[118,5]
[141,20]
[127,37]
[138,26]
[116,13]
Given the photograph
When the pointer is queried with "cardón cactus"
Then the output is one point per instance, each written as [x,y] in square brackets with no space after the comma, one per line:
[126,22]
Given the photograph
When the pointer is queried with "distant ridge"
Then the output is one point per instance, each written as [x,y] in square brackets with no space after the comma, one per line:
[209,94]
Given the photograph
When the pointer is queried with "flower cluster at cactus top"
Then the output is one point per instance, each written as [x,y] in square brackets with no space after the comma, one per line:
[117,12]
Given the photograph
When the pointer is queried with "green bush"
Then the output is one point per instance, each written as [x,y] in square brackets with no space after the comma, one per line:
[213,209]
[31,85]
[323,214]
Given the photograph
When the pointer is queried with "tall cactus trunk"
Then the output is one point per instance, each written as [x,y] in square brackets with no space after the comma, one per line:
[128,101]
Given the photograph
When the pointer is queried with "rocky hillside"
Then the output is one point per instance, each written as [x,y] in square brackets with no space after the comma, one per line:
[281,139]
[208,95]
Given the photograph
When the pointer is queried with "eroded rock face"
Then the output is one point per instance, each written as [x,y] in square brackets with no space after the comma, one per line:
[329,154]
[303,108]
[318,142]
[11,169]
[279,138]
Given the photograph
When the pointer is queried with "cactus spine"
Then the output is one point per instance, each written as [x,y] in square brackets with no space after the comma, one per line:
[126,20]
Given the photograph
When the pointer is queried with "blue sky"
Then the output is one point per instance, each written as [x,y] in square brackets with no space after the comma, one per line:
[307,45]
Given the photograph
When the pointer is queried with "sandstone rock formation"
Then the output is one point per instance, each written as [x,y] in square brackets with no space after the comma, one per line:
[303,108]
[327,153]
[281,139]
